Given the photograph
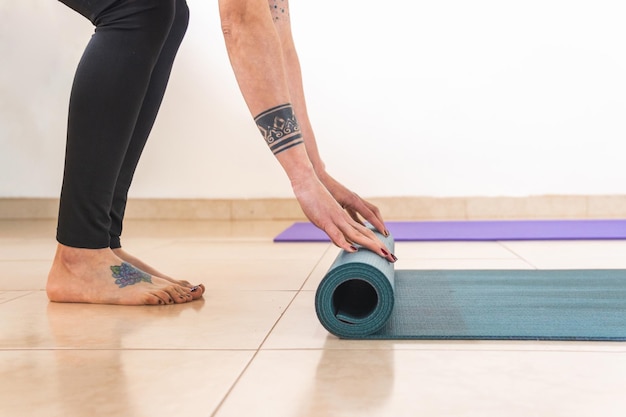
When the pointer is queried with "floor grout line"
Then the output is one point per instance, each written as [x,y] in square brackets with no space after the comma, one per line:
[520,257]
[258,350]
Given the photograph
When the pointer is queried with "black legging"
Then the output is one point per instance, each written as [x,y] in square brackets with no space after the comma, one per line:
[117,92]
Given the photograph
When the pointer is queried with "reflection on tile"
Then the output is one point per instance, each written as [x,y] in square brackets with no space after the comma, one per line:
[27,249]
[590,254]
[116,382]
[11,295]
[259,274]
[429,383]
[24,275]
[452,250]
[299,328]
[81,360]
[321,268]
[228,250]
[224,320]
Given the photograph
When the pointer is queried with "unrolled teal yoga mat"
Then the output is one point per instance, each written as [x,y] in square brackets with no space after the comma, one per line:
[363,297]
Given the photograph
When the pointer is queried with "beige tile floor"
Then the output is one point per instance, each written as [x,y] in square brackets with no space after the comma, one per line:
[254,347]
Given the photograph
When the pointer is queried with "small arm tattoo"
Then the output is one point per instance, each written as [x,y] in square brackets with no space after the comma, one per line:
[278,8]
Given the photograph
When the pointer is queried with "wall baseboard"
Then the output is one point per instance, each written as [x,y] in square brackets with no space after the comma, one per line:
[393,208]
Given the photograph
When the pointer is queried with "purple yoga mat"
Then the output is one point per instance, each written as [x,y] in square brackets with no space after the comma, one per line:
[478,230]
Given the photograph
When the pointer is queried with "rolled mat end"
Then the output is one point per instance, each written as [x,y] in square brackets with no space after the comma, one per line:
[356,296]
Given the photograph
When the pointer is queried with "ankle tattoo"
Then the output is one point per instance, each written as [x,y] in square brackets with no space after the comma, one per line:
[126,274]
[279,128]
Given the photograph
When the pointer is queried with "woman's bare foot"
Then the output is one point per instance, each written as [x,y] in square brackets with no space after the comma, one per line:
[98,276]
[122,254]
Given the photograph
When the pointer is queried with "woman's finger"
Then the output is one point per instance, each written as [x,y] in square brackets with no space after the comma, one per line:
[369,212]
[354,215]
[366,238]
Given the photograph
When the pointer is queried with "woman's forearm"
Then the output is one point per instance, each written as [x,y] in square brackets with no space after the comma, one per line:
[256,55]
[293,73]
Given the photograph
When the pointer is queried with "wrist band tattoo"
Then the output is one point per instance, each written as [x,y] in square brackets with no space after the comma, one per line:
[279,128]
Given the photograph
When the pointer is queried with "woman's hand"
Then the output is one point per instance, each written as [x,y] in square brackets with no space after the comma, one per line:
[343,228]
[353,204]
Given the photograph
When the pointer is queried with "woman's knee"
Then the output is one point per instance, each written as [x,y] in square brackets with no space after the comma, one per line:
[181,20]
[153,17]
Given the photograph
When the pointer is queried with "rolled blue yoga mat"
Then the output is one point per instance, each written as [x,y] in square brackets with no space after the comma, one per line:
[356,296]
[362,296]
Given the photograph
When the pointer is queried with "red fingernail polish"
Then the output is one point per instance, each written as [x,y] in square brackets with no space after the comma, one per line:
[384,252]
[354,248]
[395,258]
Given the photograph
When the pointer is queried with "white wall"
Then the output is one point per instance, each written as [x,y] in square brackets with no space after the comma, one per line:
[408,98]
